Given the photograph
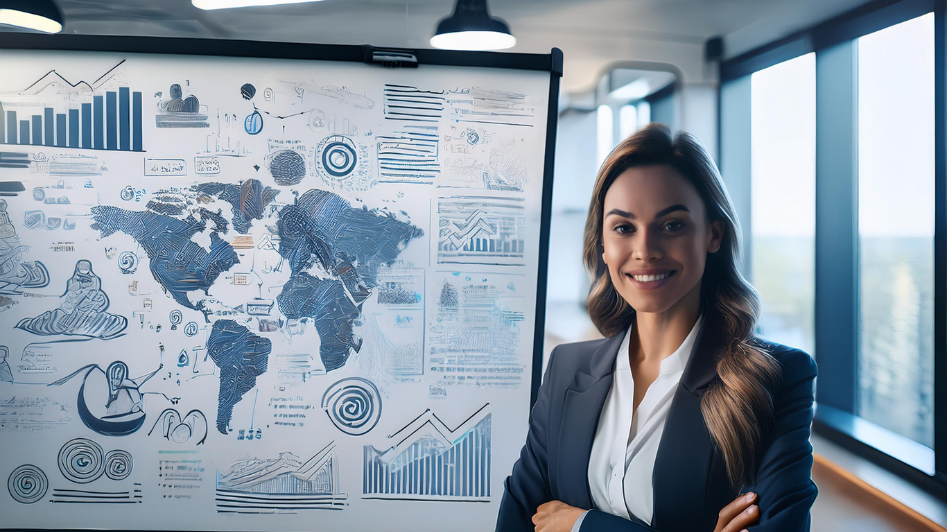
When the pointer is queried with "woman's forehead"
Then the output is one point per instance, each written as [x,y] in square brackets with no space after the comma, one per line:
[646,190]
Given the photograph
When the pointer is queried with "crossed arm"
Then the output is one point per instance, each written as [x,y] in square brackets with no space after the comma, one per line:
[784,488]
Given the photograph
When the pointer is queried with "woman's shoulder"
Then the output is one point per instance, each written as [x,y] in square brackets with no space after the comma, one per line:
[794,362]
[573,356]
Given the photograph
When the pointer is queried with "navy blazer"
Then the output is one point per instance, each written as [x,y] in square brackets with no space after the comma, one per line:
[689,478]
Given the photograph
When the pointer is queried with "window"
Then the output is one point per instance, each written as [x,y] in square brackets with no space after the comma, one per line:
[896,228]
[605,135]
[627,121]
[644,113]
[782,212]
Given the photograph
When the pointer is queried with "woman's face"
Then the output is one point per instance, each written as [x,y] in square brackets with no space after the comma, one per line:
[655,223]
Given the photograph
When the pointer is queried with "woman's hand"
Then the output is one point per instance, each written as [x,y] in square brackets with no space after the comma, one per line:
[556,516]
[739,514]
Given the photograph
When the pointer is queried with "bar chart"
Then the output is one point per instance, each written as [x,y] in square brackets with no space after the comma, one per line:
[110,122]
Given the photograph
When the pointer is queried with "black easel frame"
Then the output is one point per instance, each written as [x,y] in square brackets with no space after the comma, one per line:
[552,63]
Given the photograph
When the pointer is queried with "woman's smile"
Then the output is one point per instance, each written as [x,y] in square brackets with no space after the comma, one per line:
[650,282]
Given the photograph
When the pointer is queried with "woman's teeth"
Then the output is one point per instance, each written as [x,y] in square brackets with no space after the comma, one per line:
[650,278]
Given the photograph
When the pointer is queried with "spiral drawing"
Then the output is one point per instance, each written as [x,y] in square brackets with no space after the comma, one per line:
[27,484]
[175,317]
[353,405]
[118,464]
[81,460]
[128,261]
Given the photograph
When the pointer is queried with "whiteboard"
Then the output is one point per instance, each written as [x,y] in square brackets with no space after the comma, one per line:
[254,293]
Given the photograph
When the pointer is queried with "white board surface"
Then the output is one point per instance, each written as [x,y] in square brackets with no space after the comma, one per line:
[255,294]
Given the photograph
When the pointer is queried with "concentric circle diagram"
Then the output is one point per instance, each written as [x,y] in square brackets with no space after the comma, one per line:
[353,405]
[118,464]
[81,460]
[336,158]
[27,484]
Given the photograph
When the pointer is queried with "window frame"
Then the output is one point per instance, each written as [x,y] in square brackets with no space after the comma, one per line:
[836,256]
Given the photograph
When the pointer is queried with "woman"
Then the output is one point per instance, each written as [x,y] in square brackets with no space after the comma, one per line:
[680,419]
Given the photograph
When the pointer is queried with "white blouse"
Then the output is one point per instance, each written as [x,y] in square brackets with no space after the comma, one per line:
[626,443]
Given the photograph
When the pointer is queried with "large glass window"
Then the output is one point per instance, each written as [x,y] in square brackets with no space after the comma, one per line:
[782,246]
[605,132]
[896,228]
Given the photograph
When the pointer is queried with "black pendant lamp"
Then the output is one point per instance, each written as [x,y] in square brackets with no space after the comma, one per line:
[39,15]
[472,28]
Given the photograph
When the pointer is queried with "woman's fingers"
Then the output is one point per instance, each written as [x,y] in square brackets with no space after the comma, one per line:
[743,519]
[732,510]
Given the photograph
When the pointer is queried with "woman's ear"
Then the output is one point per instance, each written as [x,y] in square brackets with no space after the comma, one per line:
[716,237]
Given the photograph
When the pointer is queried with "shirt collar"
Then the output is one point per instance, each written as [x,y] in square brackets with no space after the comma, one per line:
[674,363]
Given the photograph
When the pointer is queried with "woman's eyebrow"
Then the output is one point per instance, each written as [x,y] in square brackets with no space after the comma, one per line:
[659,214]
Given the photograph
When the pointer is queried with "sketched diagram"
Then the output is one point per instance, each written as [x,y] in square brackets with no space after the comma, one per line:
[192,428]
[343,164]
[179,112]
[488,231]
[5,374]
[27,484]
[431,461]
[353,405]
[487,106]
[341,94]
[109,402]
[409,156]
[49,110]
[411,104]
[285,484]
[81,312]
[81,460]
[287,167]
[16,273]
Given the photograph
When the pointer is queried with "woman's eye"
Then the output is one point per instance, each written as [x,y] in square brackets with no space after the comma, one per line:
[622,229]
[678,225]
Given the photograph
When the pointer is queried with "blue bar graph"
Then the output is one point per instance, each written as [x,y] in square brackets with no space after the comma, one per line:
[111,119]
[73,128]
[37,130]
[49,129]
[87,125]
[99,129]
[61,130]
[11,127]
[136,119]
[124,129]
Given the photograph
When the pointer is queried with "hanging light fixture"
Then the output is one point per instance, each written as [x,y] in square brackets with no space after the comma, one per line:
[40,15]
[472,28]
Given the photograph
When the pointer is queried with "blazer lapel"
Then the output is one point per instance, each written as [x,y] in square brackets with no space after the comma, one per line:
[684,463]
[581,408]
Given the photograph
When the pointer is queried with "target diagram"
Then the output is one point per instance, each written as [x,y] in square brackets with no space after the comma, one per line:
[81,460]
[118,464]
[27,484]
[337,158]
[353,405]
[128,262]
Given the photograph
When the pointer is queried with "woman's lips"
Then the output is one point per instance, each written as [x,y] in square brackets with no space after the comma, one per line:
[651,285]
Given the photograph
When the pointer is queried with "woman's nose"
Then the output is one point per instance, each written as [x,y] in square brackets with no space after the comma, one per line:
[646,246]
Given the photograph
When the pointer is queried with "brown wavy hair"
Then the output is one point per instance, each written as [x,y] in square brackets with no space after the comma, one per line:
[737,406]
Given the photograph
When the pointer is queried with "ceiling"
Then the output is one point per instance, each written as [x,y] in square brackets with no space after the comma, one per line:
[593,34]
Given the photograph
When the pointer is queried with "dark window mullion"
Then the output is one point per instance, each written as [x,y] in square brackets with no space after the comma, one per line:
[940,240]
[836,238]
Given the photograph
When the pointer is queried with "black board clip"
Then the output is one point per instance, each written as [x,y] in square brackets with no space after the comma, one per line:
[389,57]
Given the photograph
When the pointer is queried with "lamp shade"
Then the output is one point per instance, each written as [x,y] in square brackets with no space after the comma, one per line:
[39,15]
[471,27]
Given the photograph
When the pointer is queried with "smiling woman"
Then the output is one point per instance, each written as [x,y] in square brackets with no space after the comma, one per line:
[681,418]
